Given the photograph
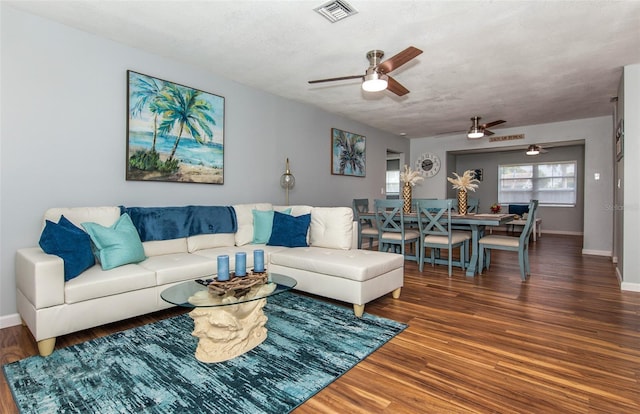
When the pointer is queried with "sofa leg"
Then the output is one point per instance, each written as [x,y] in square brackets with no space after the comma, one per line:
[358,310]
[396,293]
[45,347]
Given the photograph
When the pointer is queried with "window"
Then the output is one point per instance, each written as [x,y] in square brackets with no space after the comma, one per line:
[393,178]
[552,184]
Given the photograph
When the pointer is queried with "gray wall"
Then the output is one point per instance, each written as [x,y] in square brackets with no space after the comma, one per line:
[598,158]
[554,219]
[63,137]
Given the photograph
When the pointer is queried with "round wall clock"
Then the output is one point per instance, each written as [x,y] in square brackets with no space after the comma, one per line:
[429,164]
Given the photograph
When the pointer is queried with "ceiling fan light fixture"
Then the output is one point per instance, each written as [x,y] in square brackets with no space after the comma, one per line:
[475,133]
[533,150]
[374,82]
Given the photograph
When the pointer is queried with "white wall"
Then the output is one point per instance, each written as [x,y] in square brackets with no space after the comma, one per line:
[596,134]
[63,137]
[631,220]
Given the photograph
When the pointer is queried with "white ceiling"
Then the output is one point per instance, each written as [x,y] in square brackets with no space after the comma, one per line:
[527,62]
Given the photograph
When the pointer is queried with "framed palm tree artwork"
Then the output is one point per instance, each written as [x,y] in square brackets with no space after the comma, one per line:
[174,132]
[348,153]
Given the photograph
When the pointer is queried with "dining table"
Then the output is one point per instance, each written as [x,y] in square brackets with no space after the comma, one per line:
[476,222]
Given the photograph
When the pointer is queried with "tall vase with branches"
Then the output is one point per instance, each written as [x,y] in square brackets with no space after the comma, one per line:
[465,183]
[409,179]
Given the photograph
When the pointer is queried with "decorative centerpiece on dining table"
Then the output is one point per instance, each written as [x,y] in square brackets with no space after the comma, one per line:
[410,178]
[463,184]
[495,208]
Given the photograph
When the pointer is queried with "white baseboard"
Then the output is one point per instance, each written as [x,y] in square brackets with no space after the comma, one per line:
[10,320]
[596,252]
[619,275]
[632,287]
[568,233]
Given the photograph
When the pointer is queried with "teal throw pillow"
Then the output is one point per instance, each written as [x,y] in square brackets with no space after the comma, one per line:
[262,225]
[117,245]
[70,243]
[289,231]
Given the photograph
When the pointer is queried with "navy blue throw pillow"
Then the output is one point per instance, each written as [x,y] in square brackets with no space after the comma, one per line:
[70,243]
[289,231]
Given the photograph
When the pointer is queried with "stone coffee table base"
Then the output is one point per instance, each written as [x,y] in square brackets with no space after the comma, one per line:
[226,332]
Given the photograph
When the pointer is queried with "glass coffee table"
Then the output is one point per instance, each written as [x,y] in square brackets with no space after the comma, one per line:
[227,326]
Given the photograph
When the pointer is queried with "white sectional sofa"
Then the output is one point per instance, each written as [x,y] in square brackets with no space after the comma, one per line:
[331,266]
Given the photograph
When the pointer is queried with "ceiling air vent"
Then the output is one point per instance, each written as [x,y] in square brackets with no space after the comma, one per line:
[336,10]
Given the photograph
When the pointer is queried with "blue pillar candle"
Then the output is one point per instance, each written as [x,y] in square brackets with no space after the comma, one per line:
[258,260]
[241,264]
[223,268]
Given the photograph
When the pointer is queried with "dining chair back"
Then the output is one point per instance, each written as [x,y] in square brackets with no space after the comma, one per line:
[414,202]
[519,244]
[436,233]
[472,205]
[392,233]
[366,228]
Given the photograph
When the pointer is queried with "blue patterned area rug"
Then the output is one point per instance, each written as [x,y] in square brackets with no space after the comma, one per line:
[152,368]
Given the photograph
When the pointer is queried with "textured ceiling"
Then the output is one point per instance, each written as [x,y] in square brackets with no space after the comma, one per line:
[527,62]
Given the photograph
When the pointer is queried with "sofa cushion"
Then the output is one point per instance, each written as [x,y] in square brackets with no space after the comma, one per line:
[70,243]
[117,245]
[208,241]
[170,268]
[295,210]
[354,264]
[289,231]
[78,215]
[244,215]
[159,247]
[331,227]
[97,283]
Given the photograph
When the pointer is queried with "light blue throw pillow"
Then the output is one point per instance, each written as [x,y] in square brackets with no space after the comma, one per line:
[262,225]
[117,245]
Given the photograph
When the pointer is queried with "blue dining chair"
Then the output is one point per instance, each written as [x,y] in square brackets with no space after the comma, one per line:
[436,233]
[366,229]
[392,234]
[516,244]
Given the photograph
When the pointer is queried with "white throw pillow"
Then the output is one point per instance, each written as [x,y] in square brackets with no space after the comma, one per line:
[244,215]
[331,227]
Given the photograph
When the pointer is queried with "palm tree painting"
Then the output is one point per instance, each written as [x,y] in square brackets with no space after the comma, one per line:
[348,155]
[175,133]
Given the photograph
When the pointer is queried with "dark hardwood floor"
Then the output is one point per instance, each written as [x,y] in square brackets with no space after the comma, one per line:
[565,341]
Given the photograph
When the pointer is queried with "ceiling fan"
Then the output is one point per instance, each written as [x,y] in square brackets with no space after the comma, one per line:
[376,76]
[478,130]
[534,149]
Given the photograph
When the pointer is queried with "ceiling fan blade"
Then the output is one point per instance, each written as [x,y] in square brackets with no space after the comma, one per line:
[494,123]
[487,132]
[395,87]
[337,79]
[398,60]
